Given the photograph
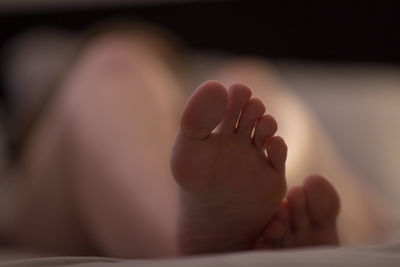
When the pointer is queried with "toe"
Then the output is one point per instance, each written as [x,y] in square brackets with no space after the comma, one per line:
[264,130]
[238,95]
[274,233]
[322,200]
[253,110]
[277,153]
[204,110]
[282,214]
[298,214]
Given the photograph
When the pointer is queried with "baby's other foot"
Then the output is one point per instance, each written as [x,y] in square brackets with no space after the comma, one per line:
[230,168]
[307,217]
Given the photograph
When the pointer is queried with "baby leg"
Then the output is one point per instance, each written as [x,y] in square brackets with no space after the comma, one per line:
[96,170]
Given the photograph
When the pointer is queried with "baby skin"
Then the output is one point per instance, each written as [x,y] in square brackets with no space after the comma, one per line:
[307,217]
[231,171]
[230,168]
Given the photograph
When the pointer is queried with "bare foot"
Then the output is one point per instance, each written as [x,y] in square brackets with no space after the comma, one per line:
[306,218]
[230,188]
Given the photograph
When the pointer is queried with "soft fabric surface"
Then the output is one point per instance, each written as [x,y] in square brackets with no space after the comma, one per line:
[335,257]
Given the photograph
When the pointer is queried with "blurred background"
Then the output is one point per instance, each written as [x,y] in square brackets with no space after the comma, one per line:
[311,30]
[340,57]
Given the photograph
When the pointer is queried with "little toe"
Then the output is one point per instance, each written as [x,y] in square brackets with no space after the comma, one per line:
[277,152]
[253,110]
[274,233]
[204,110]
[298,214]
[264,130]
[238,95]
[282,214]
[323,202]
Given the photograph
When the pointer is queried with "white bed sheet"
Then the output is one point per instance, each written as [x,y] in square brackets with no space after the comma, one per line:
[388,256]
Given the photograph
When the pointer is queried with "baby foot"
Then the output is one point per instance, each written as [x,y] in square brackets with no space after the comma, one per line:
[306,218]
[229,187]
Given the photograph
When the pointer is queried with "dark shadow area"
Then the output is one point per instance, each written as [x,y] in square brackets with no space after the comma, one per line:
[345,31]
[313,30]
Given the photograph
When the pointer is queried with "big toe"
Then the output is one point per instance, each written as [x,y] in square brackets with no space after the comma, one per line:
[204,110]
[322,200]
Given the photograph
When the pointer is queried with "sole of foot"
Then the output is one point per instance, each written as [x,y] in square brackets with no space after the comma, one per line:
[230,168]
